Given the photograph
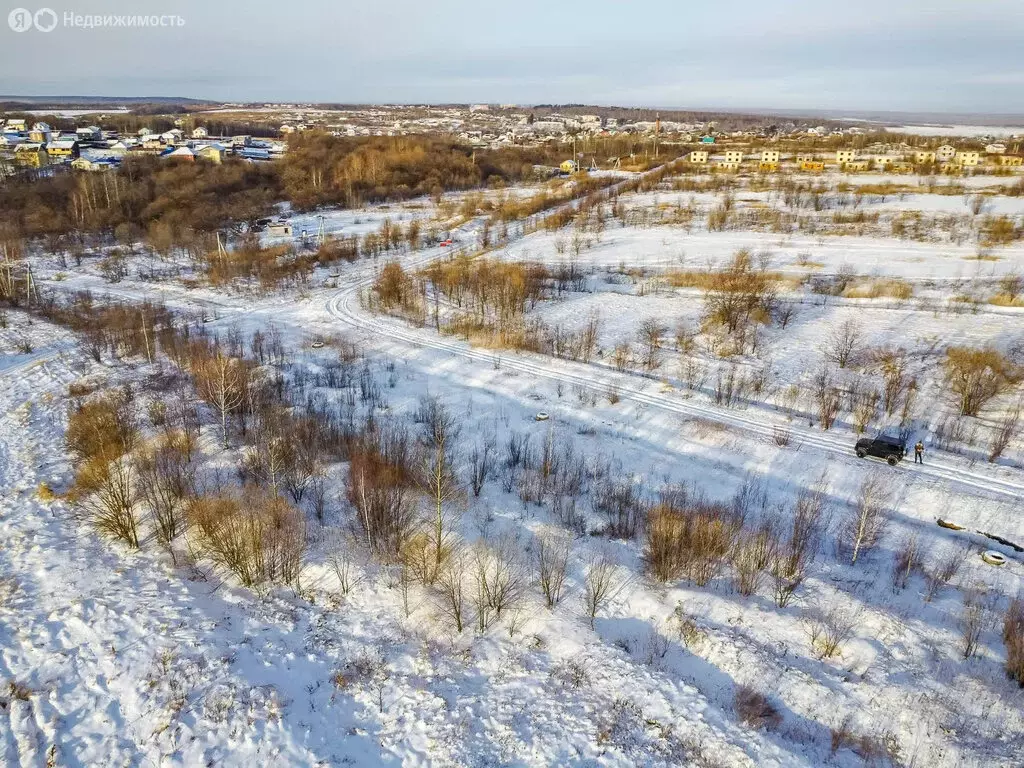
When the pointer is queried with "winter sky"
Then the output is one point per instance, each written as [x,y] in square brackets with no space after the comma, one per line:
[907,55]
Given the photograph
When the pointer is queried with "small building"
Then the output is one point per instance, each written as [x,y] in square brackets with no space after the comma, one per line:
[85,164]
[567,166]
[945,153]
[173,136]
[812,166]
[967,158]
[733,156]
[883,162]
[286,129]
[15,126]
[857,166]
[180,153]
[698,156]
[144,132]
[31,154]
[279,229]
[1010,161]
[90,133]
[707,139]
[924,157]
[770,156]
[63,149]
[995,149]
[199,132]
[212,152]
[805,158]
[41,133]
[844,156]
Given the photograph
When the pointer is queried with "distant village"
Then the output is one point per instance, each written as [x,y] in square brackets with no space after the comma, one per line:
[91,148]
[733,143]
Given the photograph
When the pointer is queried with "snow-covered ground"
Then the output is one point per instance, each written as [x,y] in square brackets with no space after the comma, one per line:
[113,657]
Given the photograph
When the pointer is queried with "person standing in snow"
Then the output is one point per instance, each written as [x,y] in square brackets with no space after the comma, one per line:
[919,453]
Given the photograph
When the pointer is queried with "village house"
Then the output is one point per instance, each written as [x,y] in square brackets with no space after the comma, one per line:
[90,133]
[1010,161]
[212,152]
[812,166]
[844,156]
[924,156]
[199,132]
[180,153]
[15,126]
[733,157]
[63,149]
[995,149]
[857,166]
[967,158]
[41,133]
[804,158]
[945,153]
[31,154]
[698,156]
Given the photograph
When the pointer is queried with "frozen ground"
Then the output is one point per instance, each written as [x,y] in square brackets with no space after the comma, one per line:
[111,657]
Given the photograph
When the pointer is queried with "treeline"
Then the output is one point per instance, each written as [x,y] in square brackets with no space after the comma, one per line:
[145,196]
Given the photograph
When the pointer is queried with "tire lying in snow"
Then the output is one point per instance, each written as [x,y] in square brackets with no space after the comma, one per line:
[542,416]
[993,558]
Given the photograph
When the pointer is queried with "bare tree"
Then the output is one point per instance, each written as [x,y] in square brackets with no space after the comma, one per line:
[500,581]
[220,381]
[437,477]
[650,333]
[906,561]
[552,563]
[105,492]
[864,524]
[600,585]
[451,589]
[481,465]
[827,396]
[844,341]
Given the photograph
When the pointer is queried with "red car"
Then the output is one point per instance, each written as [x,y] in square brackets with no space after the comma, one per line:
[446,242]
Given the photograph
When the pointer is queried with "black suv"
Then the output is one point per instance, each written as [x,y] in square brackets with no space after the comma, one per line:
[892,449]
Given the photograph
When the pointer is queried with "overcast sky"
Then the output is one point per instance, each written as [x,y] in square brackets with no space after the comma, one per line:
[904,55]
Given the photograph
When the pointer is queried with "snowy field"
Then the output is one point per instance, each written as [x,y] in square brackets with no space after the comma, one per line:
[118,657]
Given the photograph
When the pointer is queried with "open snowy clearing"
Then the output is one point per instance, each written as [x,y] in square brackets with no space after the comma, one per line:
[129,659]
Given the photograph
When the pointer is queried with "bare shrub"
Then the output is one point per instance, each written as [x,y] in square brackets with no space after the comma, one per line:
[450,585]
[1006,430]
[552,562]
[827,397]
[906,561]
[104,491]
[221,381]
[690,540]
[1013,638]
[165,479]
[379,488]
[622,507]
[829,627]
[972,621]
[103,427]
[686,628]
[976,376]
[500,581]
[798,549]
[752,553]
[864,524]
[941,572]
[755,710]
[258,537]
